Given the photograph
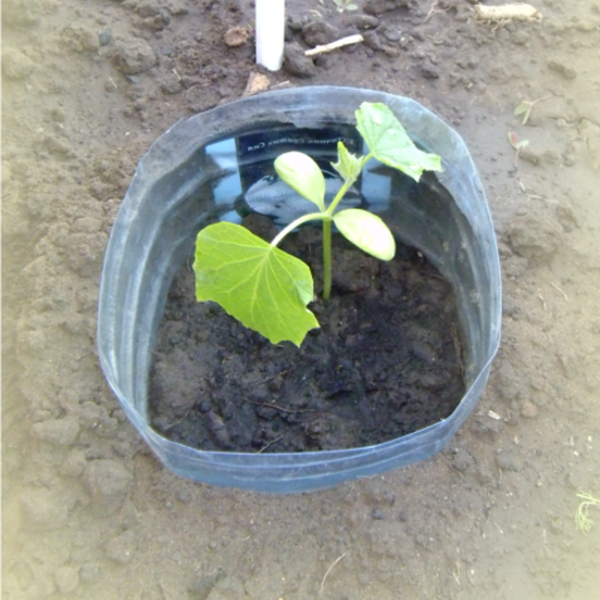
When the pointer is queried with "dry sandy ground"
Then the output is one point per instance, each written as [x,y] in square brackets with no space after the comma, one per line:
[88,512]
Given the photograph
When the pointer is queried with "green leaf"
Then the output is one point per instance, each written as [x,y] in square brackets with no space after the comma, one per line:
[523,107]
[517,144]
[348,165]
[260,285]
[389,142]
[303,175]
[367,231]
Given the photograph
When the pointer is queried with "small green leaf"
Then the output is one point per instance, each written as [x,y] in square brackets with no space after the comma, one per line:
[523,107]
[303,175]
[348,165]
[260,285]
[367,231]
[389,142]
[517,144]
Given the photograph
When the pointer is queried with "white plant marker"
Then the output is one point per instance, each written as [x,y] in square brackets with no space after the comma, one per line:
[270,33]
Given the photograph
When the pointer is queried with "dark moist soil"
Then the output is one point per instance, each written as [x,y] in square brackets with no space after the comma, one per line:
[385,362]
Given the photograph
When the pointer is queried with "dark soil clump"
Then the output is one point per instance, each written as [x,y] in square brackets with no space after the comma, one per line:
[385,362]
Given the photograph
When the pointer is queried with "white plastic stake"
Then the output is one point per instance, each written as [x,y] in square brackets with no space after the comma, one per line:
[270,33]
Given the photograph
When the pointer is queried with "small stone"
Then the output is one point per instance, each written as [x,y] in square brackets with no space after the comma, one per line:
[60,432]
[105,37]
[67,579]
[377,514]
[148,9]
[157,23]
[319,33]
[529,155]
[528,409]
[429,71]
[567,71]
[108,483]
[135,56]
[236,36]
[462,460]
[296,63]
[392,35]
[372,40]
[257,82]
[361,21]
[171,83]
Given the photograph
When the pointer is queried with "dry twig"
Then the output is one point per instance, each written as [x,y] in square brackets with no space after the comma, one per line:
[351,39]
[335,562]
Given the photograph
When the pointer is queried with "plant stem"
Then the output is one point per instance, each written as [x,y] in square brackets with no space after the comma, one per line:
[327,230]
[291,226]
[326,258]
[326,217]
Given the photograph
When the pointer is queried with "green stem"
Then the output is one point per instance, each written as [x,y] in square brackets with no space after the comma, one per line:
[326,217]
[327,277]
[326,258]
[291,226]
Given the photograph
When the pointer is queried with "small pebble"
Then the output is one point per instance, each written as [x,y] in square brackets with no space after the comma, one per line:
[528,409]
[377,514]
[105,37]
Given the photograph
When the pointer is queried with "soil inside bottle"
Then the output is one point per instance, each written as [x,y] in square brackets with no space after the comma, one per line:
[385,362]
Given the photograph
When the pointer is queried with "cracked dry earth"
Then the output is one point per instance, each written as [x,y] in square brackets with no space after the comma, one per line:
[88,512]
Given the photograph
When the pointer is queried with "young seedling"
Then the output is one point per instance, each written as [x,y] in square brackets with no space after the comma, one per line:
[343,5]
[517,144]
[524,109]
[267,289]
[582,520]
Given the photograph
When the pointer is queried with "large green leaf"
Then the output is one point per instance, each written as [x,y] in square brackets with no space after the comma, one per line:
[263,287]
[303,175]
[389,142]
[367,231]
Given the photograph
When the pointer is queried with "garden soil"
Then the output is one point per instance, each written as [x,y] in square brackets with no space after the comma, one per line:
[89,512]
